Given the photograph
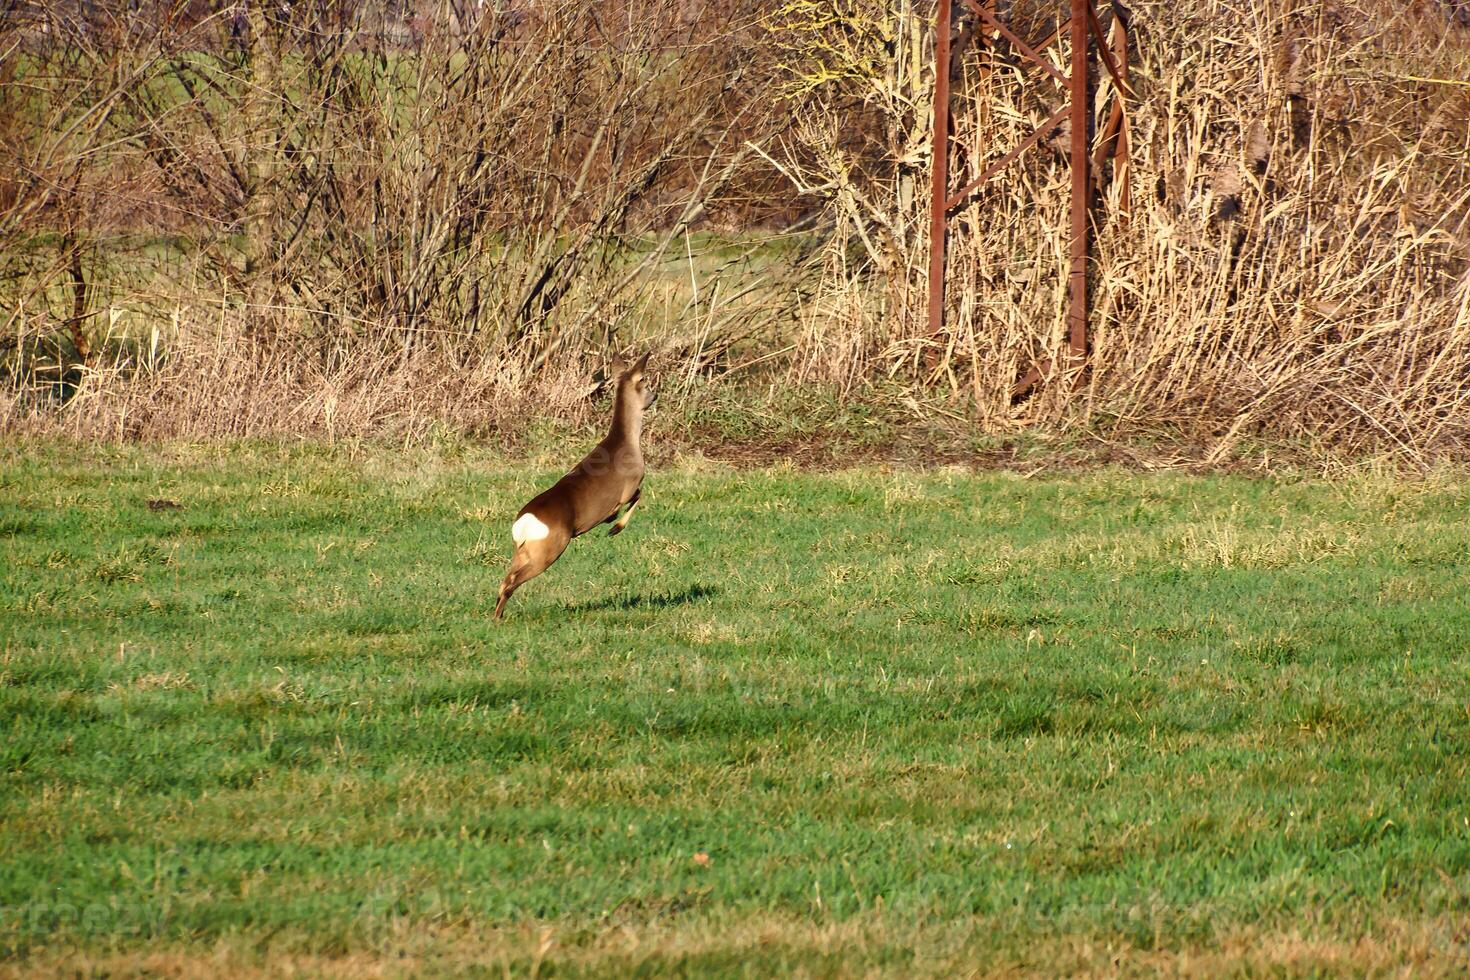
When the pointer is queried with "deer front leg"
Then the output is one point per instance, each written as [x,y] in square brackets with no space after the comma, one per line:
[622,522]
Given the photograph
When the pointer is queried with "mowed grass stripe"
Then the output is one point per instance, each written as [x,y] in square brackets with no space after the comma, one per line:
[1157,710]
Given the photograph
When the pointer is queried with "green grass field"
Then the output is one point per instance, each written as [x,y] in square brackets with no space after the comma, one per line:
[790,722]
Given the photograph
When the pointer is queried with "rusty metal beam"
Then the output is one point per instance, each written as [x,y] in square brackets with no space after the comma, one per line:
[1031,53]
[939,189]
[1121,148]
[959,196]
[1081,103]
[1120,77]
[1086,159]
[1052,38]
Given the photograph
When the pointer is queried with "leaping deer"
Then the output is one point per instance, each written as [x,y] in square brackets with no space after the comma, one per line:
[608,479]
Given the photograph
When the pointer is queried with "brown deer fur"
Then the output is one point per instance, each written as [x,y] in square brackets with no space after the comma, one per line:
[609,478]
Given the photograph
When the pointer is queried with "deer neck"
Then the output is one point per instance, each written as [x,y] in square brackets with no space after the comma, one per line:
[627,423]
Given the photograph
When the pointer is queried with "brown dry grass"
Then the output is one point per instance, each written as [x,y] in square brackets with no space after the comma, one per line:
[870,945]
[225,389]
[1295,263]
[1295,267]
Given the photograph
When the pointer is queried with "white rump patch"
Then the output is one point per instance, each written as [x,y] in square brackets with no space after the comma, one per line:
[528,527]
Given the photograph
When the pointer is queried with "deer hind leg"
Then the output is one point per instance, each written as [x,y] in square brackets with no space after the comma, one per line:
[622,522]
[531,558]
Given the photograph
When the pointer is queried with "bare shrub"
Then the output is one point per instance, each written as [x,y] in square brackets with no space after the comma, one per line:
[338,191]
[859,75]
[64,71]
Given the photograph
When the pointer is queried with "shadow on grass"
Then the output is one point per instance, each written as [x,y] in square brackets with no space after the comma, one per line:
[661,600]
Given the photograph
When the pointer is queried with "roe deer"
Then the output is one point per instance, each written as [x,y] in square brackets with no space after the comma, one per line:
[609,478]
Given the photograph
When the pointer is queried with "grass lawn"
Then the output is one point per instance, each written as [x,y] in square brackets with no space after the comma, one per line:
[790,722]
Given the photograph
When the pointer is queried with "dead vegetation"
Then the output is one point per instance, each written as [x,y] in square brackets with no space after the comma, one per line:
[786,944]
[229,221]
[1289,258]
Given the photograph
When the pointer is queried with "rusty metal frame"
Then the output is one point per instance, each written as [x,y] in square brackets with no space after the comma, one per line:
[1087,160]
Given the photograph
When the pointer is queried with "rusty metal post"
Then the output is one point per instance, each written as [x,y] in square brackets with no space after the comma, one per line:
[1082,26]
[1081,117]
[939,189]
[1122,150]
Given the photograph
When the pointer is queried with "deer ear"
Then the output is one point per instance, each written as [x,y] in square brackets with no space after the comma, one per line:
[619,365]
[641,365]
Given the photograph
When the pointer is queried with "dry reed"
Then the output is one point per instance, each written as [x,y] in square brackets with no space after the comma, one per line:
[1295,263]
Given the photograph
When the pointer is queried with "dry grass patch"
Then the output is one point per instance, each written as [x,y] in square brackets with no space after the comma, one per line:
[875,944]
